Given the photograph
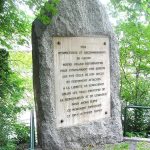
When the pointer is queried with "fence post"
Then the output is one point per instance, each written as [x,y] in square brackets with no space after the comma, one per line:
[32,131]
[125,120]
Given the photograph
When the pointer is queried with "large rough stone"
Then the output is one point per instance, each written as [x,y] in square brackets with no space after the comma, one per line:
[75,18]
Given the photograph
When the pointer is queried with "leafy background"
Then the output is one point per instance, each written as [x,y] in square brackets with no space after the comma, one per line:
[132,18]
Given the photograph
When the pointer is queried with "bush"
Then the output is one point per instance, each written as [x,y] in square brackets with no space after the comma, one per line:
[22,134]
[11,92]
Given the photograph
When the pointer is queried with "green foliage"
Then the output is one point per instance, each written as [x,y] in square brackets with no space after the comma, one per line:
[22,133]
[14,24]
[126,146]
[15,82]
[134,9]
[48,11]
[138,123]
[135,62]
[143,146]
[11,91]
[21,62]
[133,30]
[121,146]
[9,146]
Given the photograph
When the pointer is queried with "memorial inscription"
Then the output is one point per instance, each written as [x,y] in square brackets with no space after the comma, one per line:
[82,79]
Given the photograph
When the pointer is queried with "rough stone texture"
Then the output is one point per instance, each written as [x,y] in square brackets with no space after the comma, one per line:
[75,18]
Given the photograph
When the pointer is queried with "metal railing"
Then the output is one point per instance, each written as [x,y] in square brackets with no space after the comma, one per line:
[32,131]
[126,112]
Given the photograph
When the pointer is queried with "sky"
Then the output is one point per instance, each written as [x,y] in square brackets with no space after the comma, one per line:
[105,2]
[112,20]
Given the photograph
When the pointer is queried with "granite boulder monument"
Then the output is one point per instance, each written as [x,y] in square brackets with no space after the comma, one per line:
[76,78]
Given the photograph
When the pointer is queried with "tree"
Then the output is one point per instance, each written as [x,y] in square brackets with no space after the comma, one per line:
[135,70]
[134,41]
[133,32]
[134,62]
[11,91]
[134,9]
[16,24]
[15,30]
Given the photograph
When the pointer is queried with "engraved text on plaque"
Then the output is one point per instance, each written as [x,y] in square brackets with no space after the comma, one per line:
[82,79]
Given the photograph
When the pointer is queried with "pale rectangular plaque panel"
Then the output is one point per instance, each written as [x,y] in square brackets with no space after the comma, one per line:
[82,79]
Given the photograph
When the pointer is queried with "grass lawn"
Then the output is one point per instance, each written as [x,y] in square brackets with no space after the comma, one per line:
[129,146]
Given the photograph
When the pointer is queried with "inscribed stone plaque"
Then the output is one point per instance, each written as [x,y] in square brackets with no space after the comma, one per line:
[82,79]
